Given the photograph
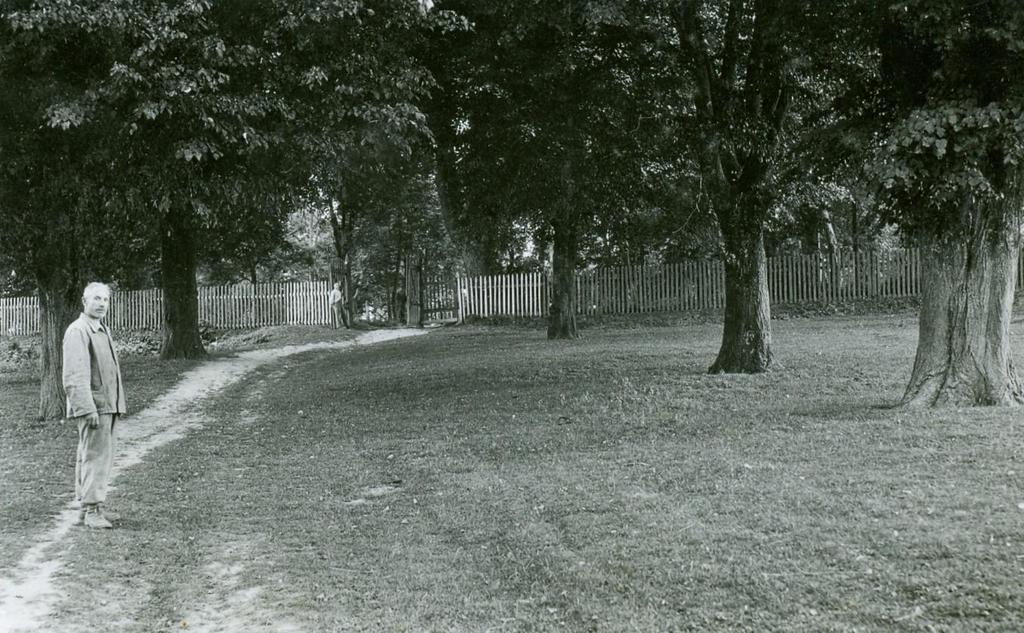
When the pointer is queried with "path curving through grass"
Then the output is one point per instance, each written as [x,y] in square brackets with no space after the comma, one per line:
[27,595]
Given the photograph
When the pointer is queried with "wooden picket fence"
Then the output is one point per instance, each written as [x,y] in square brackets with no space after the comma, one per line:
[247,306]
[440,298]
[19,315]
[517,294]
[690,285]
[696,285]
[236,306]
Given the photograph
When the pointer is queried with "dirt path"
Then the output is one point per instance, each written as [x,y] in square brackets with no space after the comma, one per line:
[27,595]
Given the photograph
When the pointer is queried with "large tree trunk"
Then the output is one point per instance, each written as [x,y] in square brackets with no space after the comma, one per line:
[566,226]
[963,348]
[414,290]
[60,303]
[562,316]
[747,333]
[751,48]
[181,337]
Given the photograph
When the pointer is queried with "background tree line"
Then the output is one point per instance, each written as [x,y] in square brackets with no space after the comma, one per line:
[143,142]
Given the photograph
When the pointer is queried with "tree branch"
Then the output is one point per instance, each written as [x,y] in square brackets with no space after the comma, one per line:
[730,50]
[686,18]
[753,87]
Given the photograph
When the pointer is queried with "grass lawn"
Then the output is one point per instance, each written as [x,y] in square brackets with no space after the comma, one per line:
[485,479]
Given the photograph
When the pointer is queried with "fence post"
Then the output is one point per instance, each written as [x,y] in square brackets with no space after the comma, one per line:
[461,317]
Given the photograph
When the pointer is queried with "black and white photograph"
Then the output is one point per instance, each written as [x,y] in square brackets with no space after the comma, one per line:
[511,316]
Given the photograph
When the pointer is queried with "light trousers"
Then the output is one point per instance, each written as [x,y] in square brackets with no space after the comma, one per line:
[95,459]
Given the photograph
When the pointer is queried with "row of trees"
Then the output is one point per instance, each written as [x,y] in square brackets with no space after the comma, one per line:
[138,134]
[138,131]
[584,117]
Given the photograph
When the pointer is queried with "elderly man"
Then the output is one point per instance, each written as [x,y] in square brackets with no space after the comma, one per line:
[95,396]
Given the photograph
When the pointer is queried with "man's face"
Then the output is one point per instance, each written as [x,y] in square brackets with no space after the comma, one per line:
[96,303]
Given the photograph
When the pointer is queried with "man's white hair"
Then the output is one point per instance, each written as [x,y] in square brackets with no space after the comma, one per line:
[92,287]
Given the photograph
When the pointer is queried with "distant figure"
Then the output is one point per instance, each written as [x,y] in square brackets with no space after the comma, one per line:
[338,306]
[95,399]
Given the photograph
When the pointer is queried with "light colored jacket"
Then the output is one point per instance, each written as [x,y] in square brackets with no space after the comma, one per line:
[91,373]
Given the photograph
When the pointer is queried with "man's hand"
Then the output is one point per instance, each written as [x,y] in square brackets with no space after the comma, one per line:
[93,419]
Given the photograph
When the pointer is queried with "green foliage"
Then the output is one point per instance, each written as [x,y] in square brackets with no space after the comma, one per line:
[948,148]
[386,212]
[405,230]
[246,237]
[52,175]
[12,284]
[550,114]
[591,112]
[953,144]
[763,79]
[210,107]
[812,214]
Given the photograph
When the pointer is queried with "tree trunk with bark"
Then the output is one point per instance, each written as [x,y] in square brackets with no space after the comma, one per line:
[414,291]
[562,315]
[963,350]
[60,304]
[565,251]
[181,338]
[747,333]
[342,231]
[348,295]
[745,77]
